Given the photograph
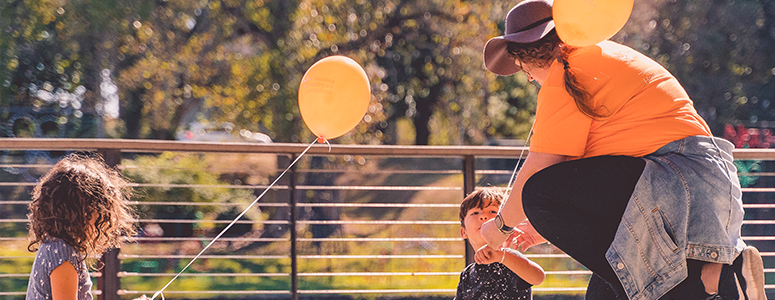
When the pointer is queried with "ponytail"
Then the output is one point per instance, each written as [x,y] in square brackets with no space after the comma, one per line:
[572,85]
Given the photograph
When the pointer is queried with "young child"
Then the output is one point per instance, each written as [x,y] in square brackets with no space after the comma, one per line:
[505,273]
[78,210]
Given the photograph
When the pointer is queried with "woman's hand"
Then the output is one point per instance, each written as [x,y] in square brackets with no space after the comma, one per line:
[488,255]
[492,235]
[526,236]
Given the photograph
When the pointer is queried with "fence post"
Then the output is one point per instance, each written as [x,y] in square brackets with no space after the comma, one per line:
[292,200]
[469,183]
[109,282]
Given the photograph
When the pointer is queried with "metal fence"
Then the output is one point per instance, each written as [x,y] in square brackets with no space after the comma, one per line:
[364,221]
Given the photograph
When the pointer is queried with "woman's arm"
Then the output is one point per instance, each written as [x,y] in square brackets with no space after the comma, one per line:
[511,210]
[64,282]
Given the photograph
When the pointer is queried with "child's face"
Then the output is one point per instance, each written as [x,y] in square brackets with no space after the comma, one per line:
[475,217]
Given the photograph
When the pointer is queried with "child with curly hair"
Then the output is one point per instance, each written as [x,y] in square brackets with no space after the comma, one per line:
[79,210]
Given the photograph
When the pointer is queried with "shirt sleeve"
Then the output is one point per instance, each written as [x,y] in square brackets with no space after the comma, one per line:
[56,253]
[560,127]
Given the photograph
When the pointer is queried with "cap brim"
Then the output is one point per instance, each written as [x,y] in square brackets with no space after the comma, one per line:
[497,58]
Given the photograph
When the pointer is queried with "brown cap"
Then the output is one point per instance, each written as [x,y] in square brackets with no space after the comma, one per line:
[526,22]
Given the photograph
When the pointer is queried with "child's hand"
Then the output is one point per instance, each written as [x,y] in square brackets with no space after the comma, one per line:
[487,255]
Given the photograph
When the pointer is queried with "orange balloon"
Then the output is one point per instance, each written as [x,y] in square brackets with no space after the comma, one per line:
[333,96]
[588,22]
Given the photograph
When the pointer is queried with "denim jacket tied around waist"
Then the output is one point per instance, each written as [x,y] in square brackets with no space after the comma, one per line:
[686,205]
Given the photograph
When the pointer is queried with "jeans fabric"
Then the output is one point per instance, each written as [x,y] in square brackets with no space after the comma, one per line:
[628,219]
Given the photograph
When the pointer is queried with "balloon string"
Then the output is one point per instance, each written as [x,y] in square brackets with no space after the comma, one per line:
[232,222]
[321,140]
[515,172]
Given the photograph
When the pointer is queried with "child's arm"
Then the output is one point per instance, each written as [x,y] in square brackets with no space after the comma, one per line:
[64,282]
[526,269]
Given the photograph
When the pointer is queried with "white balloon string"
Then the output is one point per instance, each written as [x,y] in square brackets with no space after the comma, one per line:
[232,222]
[326,141]
[516,168]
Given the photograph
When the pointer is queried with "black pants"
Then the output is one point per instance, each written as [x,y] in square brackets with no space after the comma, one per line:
[577,206]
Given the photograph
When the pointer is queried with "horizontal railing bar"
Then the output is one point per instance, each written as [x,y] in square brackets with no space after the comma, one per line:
[418,239]
[379,256]
[758,190]
[570,272]
[222,239]
[159,203]
[27,275]
[22,166]
[758,238]
[357,205]
[17,184]
[377,222]
[559,289]
[351,171]
[759,205]
[332,274]
[387,171]
[262,204]
[758,222]
[351,256]
[14,275]
[301,171]
[423,256]
[210,292]
[126,145]
[333,256]
[398,205]
[306,187]
[305,274]
[138,274]
[311,292]
[391,291]
[225,256]
[326,222]
[15,202]
[190,221]
[278,222]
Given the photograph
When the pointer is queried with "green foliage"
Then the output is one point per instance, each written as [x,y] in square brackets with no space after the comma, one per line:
[721,51]
[241,62]
[174,174]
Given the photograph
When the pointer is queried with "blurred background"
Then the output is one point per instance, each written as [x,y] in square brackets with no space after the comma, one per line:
[162,69]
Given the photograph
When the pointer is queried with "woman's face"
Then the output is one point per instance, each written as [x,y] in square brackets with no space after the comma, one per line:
[534,72]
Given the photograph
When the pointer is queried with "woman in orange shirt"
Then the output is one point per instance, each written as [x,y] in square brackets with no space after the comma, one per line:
[623,174]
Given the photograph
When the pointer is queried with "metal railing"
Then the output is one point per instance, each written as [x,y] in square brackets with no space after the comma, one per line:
[382,220]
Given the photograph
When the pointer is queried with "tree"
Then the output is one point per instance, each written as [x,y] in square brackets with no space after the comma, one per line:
[720,51]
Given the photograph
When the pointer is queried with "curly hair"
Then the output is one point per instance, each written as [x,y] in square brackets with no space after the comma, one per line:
[83,202]
[479,199]
[541,53]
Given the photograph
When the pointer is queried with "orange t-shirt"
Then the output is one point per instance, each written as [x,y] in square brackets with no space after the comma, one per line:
[643,105]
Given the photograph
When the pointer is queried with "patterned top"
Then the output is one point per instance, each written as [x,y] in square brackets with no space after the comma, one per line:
[493,281]
[52,254]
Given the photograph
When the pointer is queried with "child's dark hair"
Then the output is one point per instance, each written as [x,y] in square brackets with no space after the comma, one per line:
[479,199]
[76,189]
[541,53]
